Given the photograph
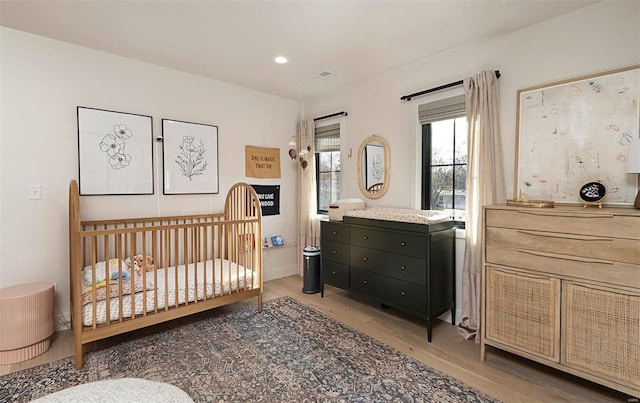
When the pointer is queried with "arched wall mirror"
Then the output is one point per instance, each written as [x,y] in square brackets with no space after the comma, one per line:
[373,167]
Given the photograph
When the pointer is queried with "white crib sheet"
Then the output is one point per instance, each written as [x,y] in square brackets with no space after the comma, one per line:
[229,277]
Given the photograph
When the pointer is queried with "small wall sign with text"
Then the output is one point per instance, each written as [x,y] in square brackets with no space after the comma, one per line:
[269,196]
[262,162]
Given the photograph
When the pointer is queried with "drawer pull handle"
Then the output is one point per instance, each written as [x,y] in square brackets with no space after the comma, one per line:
[565,236]
[528,274]
[334,251]
[568,215]
[334,233]
[404,294]
[365,258]
[403,267]
[403,244]
[566,257]
[334,273]
[365,282]
[365,237]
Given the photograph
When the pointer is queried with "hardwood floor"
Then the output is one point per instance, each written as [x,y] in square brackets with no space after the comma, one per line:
[503,375]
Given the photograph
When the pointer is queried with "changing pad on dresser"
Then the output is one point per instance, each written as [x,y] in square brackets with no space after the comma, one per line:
[401,214]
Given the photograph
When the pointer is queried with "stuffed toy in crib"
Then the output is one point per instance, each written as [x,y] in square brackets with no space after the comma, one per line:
[102,272]
[141,263]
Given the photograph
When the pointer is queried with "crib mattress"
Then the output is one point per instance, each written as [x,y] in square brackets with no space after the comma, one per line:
[229,276]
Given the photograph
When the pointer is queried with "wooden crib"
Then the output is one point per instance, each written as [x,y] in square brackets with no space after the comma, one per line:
[187,264]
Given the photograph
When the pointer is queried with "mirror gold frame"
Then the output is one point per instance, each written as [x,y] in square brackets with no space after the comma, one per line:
[379,190]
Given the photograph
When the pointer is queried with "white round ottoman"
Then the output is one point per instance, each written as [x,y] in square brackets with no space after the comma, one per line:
[26,314]
[118,391]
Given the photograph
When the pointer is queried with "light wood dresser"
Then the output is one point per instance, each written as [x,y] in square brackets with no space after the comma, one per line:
[561,286]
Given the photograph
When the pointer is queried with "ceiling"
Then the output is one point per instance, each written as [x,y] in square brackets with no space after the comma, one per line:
[236,41]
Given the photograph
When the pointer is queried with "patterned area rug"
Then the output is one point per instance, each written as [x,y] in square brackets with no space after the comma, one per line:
[289,352]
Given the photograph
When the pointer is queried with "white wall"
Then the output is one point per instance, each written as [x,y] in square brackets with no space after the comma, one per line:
[42,82]
[598,38]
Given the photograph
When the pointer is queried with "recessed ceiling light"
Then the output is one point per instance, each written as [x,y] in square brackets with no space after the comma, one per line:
[280,60]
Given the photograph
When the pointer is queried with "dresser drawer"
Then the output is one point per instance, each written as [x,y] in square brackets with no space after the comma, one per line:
[564,265]
[390,290]
[575,221]
[364,281]
[335,232]
[597,247]
[389,264]
[408,295]
[390,241]
[335,251]
[335,274]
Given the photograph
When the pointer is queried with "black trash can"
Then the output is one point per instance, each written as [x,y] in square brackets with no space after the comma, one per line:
[311,270]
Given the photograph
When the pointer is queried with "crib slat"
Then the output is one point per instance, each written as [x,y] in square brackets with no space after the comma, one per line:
[154,255]
[121,258]
[108,280]
[175,265]
[132,240]
[93,244]
[194,258]
[167,263]
[238,249]
[205,257]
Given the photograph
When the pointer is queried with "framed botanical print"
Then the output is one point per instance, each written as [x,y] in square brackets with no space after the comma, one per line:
[190,157]
[115,152]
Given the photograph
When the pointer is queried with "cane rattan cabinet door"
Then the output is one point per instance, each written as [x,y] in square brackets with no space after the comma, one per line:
[523,311]
[601,332]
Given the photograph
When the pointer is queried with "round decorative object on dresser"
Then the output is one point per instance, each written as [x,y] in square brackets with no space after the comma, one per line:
[26,313]
[593,192]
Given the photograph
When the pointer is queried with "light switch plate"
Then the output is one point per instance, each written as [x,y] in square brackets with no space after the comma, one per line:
[35,192]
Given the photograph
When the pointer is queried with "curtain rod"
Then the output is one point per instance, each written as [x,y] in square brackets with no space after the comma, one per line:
[330,116]
[442,87]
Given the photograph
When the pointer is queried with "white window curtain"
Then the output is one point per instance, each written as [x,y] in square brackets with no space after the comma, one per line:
[485,185]
[308,223]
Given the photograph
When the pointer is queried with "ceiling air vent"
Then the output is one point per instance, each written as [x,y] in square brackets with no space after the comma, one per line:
[323,74]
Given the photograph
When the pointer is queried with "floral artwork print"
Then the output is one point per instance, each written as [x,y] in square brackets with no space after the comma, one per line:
[191,160]
[114,146]
[189,157]
[115,152]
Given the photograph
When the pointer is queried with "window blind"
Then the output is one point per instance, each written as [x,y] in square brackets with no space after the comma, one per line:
[448,108]
[327,138]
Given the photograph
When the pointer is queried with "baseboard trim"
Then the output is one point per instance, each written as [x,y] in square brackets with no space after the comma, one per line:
[280,272]
[446,317]
[63,322]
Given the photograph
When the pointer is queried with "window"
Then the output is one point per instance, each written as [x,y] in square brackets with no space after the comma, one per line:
[444,156]
[328,181]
